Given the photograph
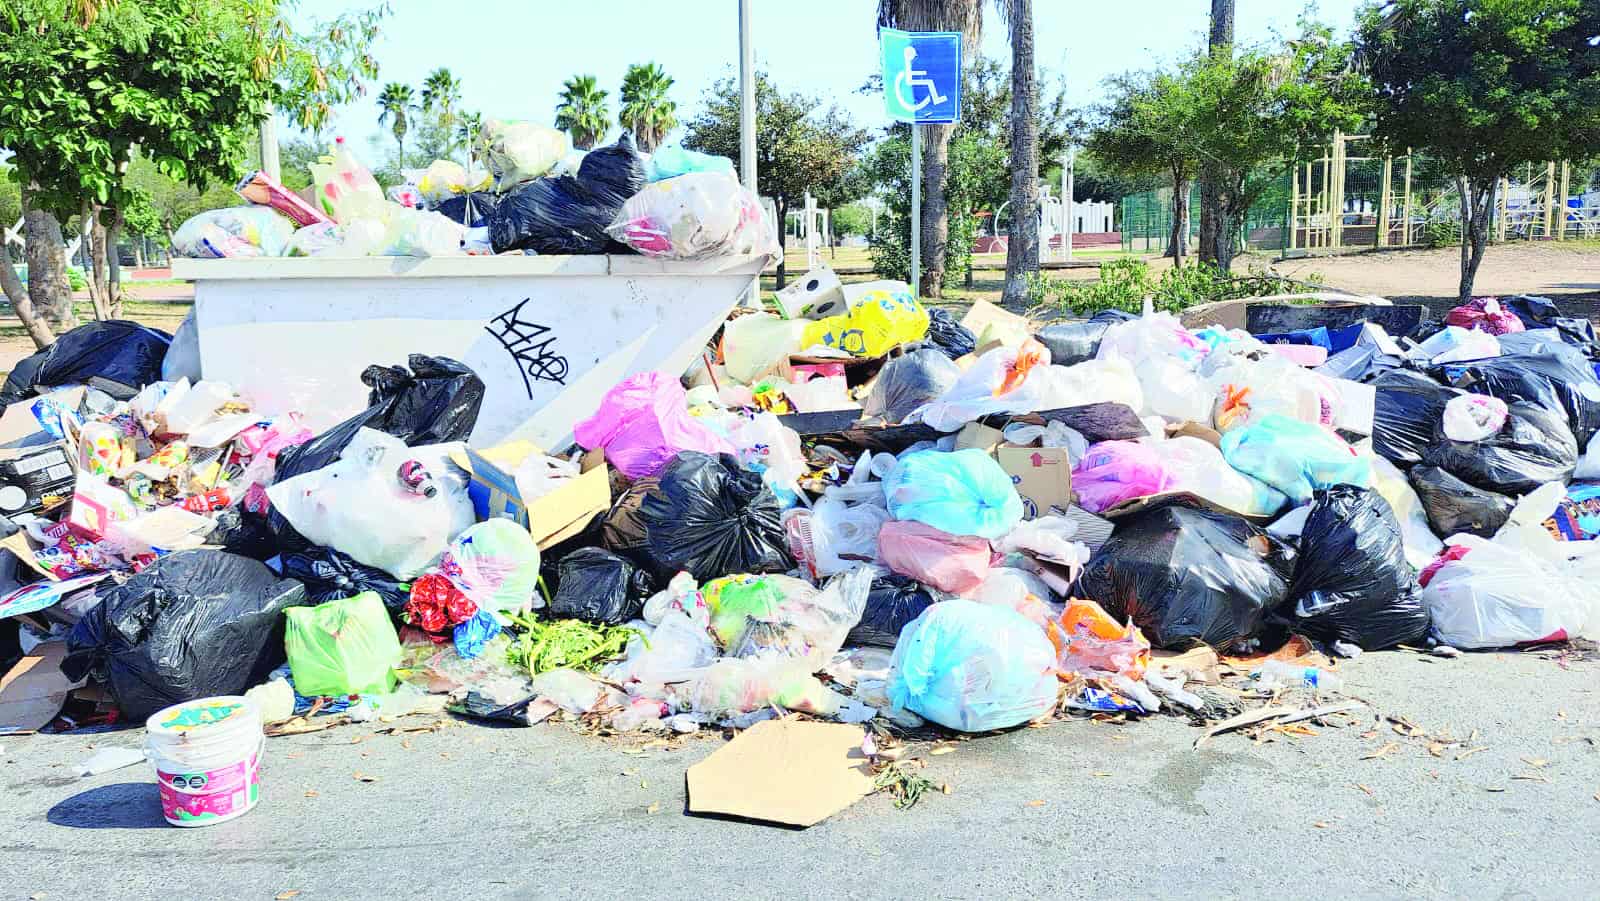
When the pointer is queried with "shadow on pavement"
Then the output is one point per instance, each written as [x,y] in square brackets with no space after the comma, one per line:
[125,805]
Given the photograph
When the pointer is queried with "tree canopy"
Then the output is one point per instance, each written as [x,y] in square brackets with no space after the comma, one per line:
[800,145]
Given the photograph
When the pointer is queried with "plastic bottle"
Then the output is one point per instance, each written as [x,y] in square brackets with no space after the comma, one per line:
[1299,676]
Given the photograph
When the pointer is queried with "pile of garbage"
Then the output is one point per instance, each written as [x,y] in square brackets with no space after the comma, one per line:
[537,196]
[857,508]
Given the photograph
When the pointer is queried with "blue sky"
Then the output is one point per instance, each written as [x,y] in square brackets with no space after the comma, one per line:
[512,55]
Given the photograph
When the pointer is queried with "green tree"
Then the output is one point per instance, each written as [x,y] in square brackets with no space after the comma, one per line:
[966,17]
[1484,85]
[800,146]
[972,161]
[582,112]
[317,68]
[184,80]
[395,107]
[467,133]
[852,219]
[436,117]
[646,109]
[1141,131]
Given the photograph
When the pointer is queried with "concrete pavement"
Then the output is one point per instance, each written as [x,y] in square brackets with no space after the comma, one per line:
[1077,809]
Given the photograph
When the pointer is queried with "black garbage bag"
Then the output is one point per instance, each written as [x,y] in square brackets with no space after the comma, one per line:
[1075,342]
[1351,580]
[711,517]
[331,575]
[118,351]
[1532,448]
[1557,377]
[245,534]
[194,624]
[598,586]
[952,338]
[893,601]
[570,214]
[906,383]
[435,401]
[1405,410]
[472,210]
[1454,507]
[1186,576]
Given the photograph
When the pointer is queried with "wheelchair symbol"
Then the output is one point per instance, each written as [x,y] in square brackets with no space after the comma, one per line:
[906,82]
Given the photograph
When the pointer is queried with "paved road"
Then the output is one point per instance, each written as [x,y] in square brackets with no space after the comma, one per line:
[1073,810]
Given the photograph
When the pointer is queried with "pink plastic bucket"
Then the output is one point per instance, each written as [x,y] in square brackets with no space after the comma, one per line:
[207,758]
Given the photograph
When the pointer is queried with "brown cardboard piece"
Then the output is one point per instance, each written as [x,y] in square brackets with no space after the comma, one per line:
[790,771]
[551,518]
[1042,475]
[1196,430]
[987,322]
[33,692]
[20,428]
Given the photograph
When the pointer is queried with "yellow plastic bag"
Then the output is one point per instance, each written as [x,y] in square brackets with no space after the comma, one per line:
[882,319]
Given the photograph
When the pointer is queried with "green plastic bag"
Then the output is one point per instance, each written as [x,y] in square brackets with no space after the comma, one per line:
[343,647]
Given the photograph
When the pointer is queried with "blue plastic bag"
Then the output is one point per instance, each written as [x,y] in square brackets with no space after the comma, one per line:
[963,493]
[1295,457]
[973,667]
[472,635]
[670,162]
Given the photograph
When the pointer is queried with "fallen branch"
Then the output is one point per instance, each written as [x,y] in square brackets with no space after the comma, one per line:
[1283,716]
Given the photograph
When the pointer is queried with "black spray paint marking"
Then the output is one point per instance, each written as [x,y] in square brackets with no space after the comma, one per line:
[529,344]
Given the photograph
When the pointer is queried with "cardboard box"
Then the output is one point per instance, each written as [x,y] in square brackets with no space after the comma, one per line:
[20,428]
[1042,475]
[551,519]
[991,326]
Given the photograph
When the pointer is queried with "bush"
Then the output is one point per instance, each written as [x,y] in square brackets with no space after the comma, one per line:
[1441,233]
[1125,283]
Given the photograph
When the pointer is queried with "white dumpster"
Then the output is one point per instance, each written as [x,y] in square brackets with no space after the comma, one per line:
[547,334]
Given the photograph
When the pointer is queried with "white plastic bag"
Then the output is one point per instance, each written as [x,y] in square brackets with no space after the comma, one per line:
[519,151]
[1473,417]
[1111,380]
[756,344]
[358,505]
[1055,433]
[240,231]
[843,536]
[1197,466]
[421,233]
[1172,390]
[1003,380]
[1051,538]
[183,355]
[1455,344]
[1500,595]
[1589,464]
[690,217]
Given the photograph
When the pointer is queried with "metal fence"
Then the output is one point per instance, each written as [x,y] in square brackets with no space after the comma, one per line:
[1343,200]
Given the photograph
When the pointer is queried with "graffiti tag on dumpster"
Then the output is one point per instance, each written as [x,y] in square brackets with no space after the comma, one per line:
[529,343]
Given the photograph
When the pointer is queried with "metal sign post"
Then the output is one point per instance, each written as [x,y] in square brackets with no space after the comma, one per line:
[930,61]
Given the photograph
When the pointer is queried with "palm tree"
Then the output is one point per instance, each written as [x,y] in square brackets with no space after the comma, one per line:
[469,126]
[395,104]
[582,111]
[646,111]
[441,93]
[965,16]
[1022,245]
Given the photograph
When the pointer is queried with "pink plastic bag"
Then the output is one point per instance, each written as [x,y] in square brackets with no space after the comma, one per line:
[1112,472]
[643,422]
[954,563]
[1485,314]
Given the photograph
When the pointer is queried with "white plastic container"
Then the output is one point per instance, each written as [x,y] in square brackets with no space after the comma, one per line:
[207,757]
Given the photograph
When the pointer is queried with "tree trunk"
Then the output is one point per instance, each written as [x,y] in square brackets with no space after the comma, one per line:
[782,209]
[48,288]
[1178,241]
[114,264]
[99,282]
[1231,210]
[1211,175]
[1477,199]
[21,302]
[935,211]
[1022,251]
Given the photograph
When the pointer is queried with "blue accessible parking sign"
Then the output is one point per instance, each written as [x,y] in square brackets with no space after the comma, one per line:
[922,75]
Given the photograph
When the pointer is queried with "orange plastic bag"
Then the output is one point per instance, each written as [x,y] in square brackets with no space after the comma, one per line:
[1029,355]
[1089,640]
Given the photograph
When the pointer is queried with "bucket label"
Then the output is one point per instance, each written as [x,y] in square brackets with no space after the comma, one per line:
[200,713]
[190,799]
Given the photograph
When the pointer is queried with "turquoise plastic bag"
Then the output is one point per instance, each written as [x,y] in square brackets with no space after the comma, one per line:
[973,667]
[672,161]
[963,493]
[1295,457]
